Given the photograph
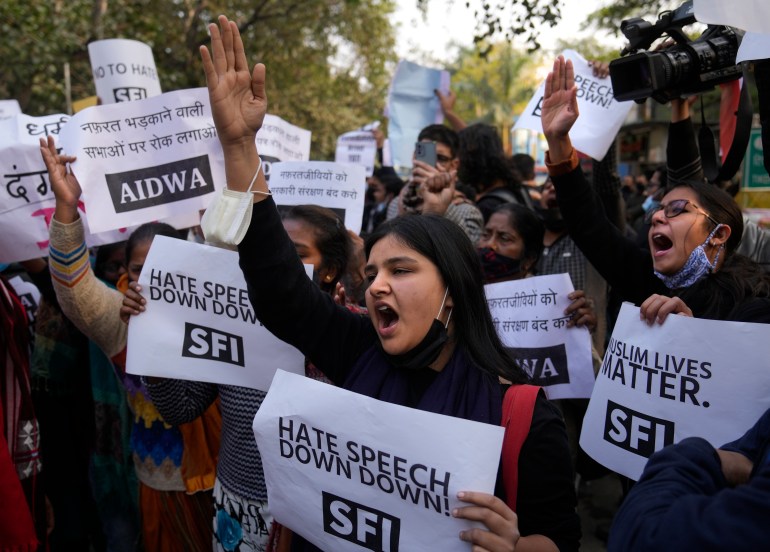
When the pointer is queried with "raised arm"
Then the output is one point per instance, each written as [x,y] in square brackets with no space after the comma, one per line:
[285,300]
[92,306]
[238,104]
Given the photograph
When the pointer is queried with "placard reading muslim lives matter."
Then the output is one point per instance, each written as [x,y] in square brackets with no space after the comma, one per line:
[145,160]
[350,473]
[199,323]
[687,377]
[529,317]
[336,186]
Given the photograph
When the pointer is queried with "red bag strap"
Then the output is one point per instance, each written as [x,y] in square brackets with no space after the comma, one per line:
[518,406]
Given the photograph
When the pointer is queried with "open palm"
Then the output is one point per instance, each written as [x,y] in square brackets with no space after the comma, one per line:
[238,99]
[559,110]
[65,186]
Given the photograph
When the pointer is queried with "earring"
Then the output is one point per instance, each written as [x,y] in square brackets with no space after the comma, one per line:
[328,278]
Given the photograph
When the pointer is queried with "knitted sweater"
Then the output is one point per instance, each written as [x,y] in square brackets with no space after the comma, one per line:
[240,466]
[95,309]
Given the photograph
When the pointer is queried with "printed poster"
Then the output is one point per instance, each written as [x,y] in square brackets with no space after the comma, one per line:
[27,202]
[199,324]
[529,317]
[279,140]
[358,147]
[124,70]
[351,473]
[600,115]
[336,186]
[687,377]
[145,160]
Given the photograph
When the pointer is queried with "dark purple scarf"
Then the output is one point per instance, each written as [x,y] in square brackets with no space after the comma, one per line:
[460,389]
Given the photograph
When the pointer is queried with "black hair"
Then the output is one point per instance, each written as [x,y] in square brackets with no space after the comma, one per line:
[482,159]
[739,279]
[720,206]
[525,164]
[446,245]
[103,252]
[331,239]
[528,225]
[441,134]
[390,179]
[146,232]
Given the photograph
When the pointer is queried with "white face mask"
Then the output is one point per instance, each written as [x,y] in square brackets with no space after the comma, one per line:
[227,219]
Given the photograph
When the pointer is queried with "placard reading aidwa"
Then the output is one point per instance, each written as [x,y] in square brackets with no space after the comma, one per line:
[600,115]
[529,317]
[351,473]
[27,203]
[659,384]
[145,160]
[339,187]
[279,140]
[199,324]
[358,147]
[124,70]
[749,15]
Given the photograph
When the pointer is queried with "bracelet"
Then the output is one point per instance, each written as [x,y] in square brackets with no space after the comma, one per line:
[267,193]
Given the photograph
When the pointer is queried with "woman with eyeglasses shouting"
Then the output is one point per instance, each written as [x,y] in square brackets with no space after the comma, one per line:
[691,268]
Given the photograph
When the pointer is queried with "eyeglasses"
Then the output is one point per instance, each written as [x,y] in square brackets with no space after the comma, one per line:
[675,208]
[443,158]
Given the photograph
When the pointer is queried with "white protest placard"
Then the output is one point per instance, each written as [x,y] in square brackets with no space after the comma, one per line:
[529,317]
[749,15]
[412,105]
[279,140]
[658,384]
[29,296]
[9,108]
[359,147]
[350,473]
[145,160]
[600,115]
[124,70]
[27,203]
[754,46]
[336,186]
[199,324]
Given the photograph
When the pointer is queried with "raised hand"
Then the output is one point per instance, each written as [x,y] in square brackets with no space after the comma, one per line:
[237,96]
[66,188]
[559,109]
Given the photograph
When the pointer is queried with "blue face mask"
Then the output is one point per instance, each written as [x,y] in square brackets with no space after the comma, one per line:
[649,203]
[696,267]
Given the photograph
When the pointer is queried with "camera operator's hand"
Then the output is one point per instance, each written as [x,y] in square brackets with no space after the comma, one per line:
[600,69]
[559,110]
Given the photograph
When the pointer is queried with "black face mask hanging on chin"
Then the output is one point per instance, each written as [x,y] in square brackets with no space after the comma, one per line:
[426,351]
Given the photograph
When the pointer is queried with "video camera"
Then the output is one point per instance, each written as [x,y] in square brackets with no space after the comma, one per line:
[686,68]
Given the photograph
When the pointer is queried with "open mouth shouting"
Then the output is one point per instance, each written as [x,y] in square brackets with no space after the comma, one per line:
[660,244]
[387,319]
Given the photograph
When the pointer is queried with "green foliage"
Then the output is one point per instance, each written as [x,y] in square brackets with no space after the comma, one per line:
[494,89]
[327,60]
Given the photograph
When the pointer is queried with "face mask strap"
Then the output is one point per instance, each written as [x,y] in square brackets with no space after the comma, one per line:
[721,246]
[441,309]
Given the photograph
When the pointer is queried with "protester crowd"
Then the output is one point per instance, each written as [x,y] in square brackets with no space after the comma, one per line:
[96,458]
